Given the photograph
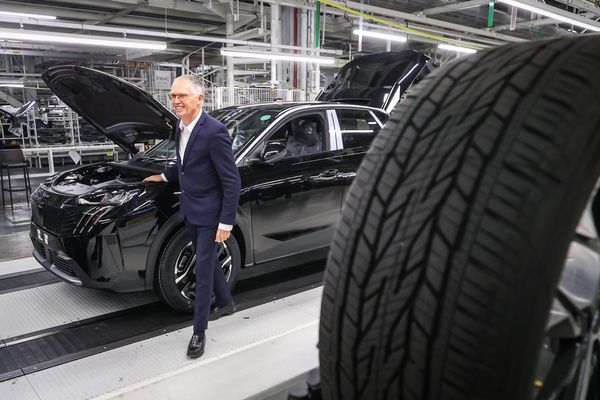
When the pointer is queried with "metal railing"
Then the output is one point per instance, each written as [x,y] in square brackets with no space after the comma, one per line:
[218,96]
[224,97]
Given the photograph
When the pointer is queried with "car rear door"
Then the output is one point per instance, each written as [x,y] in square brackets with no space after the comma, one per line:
[296,201]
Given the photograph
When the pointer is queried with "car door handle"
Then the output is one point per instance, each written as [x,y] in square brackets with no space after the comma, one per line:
[325,177]
[330,173]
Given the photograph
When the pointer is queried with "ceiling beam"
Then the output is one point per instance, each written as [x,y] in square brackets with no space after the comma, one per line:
[151,18]
[119,13]
[249,34]
[172,5]
[582,5]
[557,11]
[463,5]
[431,22]
[450,27]
[478,40]
[532,23]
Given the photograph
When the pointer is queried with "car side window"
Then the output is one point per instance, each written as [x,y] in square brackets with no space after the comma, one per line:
[302,136]
[358,127]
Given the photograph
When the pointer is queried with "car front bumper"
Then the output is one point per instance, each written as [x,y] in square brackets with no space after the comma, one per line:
[49,252]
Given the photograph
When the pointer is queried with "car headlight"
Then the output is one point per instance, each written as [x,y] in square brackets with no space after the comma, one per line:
[110,197]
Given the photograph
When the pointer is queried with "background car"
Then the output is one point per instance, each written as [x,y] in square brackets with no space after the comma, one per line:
[100,226]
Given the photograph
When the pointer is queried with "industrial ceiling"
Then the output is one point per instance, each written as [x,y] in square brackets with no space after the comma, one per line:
[195,30]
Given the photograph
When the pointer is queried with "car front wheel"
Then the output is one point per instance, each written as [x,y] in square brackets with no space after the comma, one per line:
[175,280]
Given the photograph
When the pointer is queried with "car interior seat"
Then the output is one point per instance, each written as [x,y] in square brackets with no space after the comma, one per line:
[305,138]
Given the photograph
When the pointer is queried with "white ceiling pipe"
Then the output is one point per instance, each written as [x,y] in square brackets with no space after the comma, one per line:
[165,35]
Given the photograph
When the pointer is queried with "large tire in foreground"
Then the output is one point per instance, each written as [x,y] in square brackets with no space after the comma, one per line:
[453,237]
[175,279]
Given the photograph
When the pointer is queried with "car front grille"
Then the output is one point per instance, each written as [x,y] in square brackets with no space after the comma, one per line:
[53,218]
[61,264]
[60,221]
[40,248]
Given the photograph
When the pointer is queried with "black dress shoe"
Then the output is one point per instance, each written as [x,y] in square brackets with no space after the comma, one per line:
[222,311]
[196,346]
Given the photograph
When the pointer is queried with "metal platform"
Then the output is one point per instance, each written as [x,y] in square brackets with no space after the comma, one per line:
[248,354]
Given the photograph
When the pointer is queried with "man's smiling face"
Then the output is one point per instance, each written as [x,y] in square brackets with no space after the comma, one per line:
[186,104]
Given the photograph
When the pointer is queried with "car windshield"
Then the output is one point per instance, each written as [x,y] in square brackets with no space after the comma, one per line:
[163,149]
[243,124]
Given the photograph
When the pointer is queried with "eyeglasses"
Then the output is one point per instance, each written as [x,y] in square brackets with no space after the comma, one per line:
[174,96]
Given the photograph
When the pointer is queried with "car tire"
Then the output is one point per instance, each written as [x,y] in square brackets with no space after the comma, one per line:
[179,251]
[452,239]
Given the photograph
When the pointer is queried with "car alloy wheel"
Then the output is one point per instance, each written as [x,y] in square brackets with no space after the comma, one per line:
[175,280]
[184,274]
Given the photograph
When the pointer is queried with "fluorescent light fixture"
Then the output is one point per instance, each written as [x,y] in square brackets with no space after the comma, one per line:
[13,85]
[551,14]
[379,35]
[84,40]
[278,56]
[25,15]
[458,49]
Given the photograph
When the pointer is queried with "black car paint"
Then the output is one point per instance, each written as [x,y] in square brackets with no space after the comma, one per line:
[285,216]
[372,80]
[119,250]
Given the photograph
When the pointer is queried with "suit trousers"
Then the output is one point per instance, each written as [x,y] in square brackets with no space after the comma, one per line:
[209,275]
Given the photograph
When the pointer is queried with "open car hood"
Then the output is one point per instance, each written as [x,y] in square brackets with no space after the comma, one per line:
[118,109]
[377,80]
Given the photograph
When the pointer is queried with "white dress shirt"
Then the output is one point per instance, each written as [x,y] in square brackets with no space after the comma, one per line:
[185,131]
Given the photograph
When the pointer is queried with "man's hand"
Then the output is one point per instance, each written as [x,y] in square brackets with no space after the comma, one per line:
[222,235]
[153,178]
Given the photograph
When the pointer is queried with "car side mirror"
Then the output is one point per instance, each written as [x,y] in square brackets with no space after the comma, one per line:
[273,152]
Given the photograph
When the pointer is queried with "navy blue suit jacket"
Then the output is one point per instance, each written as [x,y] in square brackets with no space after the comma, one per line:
[208,177]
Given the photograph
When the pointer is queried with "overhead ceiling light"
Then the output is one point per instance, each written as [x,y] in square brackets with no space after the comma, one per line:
[13,85]
[278,56]
[456,48]
[25,15]
[380,35]
[550,14]
[85,40]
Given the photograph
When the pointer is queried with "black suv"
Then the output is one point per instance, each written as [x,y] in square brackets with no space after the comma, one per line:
[99,226]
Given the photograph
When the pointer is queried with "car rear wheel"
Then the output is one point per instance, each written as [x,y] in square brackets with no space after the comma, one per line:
[453,238]
[175,279]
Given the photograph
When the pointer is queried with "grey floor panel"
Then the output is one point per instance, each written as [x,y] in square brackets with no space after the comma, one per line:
[18,389]
[17,243]
[19,265]
[143,361]
[44,307]
[257,371]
